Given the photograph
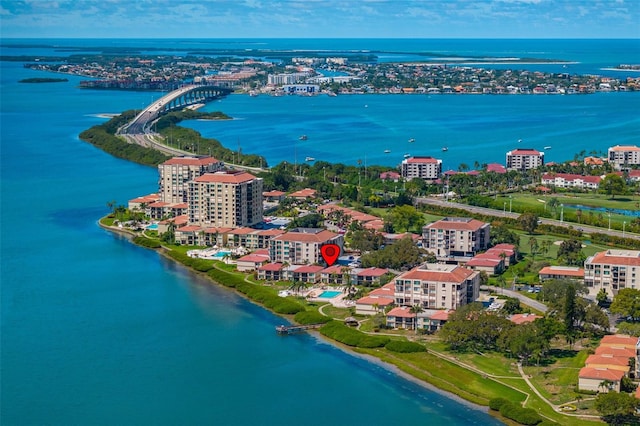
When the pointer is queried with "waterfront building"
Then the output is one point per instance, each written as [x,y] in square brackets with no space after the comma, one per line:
[456,238]
[286,78]
[612,270]
[524,159]
[230,199]
[427,168]
[301,89]
[430,320]
[437,286]
[178,171]
[376,301]
[302,245]
[141,203]
[621,157]
[567,180]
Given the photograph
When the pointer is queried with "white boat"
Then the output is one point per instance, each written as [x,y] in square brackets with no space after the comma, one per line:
[407,155]
[309,159]
[412,140]
[547,147]
[445,149]
[386,151]
[303,138]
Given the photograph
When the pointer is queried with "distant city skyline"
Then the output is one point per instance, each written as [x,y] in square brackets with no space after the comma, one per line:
[319,19]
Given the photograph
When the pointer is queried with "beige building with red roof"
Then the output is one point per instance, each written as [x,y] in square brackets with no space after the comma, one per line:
[567,180]
[561,273]
[592,379]
[430,320]
[621,157]
[230,199]
[140,203]
[176,172]
[523,318]
[428,168]
[437,286]
[456,238]
[612,270]
[524,159]
[303,194]
[302,245]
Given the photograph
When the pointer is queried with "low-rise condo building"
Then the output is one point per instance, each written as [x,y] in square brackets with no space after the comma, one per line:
[524,159]
[428,168]
[437,286]
[621,157]
[567,180]
[454,238]
[612,270]
[302,245]
[230,199]
[174,175]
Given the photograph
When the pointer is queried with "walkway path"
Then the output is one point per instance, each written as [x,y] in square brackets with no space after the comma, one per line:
[524,299]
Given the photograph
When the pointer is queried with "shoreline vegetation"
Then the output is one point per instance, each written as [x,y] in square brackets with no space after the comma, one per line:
[423,362]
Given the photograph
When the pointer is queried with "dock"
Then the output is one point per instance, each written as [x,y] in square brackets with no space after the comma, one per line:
[289,329]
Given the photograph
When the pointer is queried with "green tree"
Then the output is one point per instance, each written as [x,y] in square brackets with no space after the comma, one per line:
[627,303]
[524,341]
[366,240]
[602,298]
[612,185]
[617,408]
[500,233]
[511,306]
[533,245]
[406,218]
[570,252]
[528,222]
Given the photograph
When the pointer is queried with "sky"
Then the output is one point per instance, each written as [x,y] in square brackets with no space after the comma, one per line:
[320,18]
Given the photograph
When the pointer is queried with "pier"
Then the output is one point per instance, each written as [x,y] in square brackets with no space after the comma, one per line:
[290,329]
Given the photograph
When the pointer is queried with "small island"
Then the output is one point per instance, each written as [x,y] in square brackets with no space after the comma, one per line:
[43,80]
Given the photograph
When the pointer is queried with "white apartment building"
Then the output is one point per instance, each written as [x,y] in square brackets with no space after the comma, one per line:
[286,78]
[225,199]
[612,270]
[421,167]
[621,157]
[178,171]
[437,286]
[302,245]
[524,159]
[453,238]
[568,180]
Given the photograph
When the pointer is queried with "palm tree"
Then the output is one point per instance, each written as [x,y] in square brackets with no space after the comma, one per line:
[416,309]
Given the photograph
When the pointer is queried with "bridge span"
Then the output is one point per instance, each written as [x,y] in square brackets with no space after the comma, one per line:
[178,99]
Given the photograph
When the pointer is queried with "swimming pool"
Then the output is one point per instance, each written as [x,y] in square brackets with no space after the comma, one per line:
[329,294]
[152,226]
[222,254]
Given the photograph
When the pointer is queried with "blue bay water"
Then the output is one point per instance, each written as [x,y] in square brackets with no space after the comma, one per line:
[95,330]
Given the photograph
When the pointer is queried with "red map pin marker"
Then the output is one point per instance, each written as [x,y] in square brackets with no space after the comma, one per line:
[330,253]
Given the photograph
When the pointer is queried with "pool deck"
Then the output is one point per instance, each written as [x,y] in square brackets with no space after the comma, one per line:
[338,301]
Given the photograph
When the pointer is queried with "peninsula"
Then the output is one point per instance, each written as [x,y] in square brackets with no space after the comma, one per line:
[367,302]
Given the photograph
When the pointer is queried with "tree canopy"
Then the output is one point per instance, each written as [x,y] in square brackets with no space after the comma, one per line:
[627,303]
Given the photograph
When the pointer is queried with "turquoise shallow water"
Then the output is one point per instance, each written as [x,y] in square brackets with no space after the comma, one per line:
[97,331]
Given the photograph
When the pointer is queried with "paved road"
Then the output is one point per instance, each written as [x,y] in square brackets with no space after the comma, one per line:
[504,213]
[539,306]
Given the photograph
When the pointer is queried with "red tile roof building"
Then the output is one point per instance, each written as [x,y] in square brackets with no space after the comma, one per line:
[421,167]
[561,273]
[454,237]
[621,157]
[302,245]
[567,180]
[230,199]
[437,286]
[524,159]
[612,270]
[176,172]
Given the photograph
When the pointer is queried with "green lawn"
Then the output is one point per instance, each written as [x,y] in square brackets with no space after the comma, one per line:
[521,202]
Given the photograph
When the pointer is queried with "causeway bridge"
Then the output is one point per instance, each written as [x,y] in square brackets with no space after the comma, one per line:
[181,98]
